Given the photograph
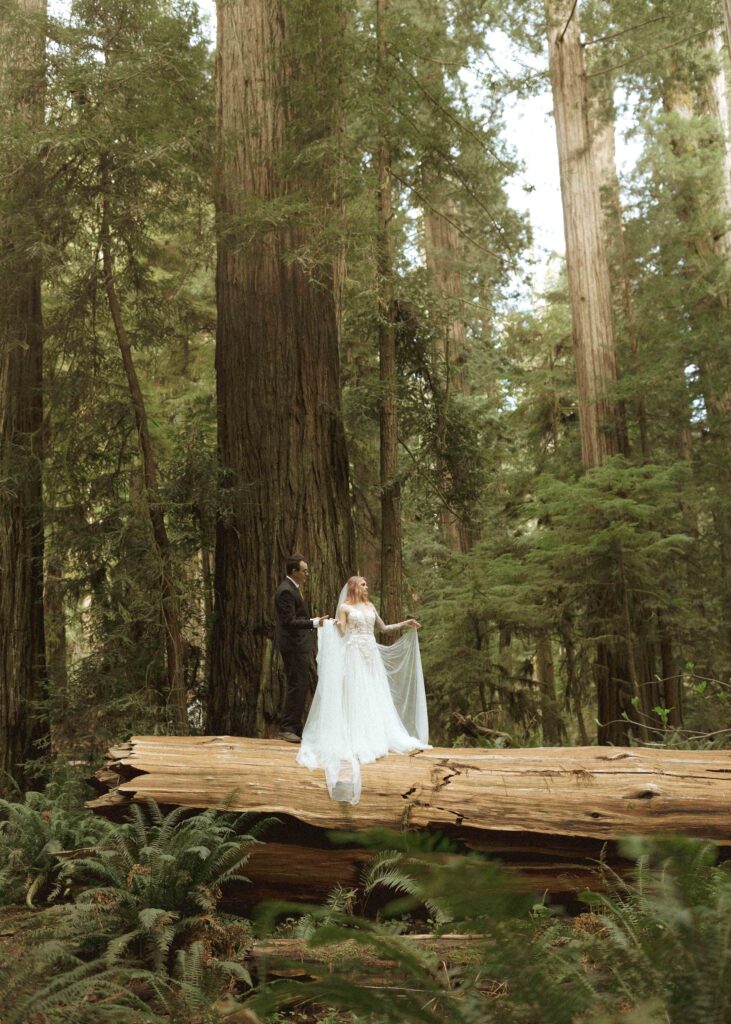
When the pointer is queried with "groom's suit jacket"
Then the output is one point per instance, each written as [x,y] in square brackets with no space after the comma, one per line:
[293,630]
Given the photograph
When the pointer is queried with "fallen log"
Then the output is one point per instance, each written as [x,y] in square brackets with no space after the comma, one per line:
[550,812]
[367,966]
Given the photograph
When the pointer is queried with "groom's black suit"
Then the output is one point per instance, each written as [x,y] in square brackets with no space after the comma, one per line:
[294,638]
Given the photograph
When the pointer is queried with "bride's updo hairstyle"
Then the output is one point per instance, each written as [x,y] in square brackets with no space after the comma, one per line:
[351,594]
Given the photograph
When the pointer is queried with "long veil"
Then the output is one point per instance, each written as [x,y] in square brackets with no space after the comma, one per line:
[325,739]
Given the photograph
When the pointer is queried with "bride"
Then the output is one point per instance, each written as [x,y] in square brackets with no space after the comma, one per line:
[369,699]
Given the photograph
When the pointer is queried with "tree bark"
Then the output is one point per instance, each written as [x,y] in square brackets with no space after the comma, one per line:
[479,795]
[600,417]
[442,250]
[169,599]
[391,556]
[603,140]
[586,258]
[22,646]
[551,724]
[280,432]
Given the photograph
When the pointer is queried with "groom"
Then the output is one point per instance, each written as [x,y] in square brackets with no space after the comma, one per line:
[293,638]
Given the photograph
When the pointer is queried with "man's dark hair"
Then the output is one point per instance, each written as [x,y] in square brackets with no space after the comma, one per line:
[293,563]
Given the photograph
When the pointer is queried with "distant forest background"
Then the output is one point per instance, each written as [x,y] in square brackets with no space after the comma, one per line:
[272,297]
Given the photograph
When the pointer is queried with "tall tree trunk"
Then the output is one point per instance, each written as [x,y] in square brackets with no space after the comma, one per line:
[586,257]
[280,432]
[22,645]
[573,690]
[717,101]
[600,417]
[202,519]
[603,140]
[727,23]
[551,724]
[169,599]
[391,559]
[442,251]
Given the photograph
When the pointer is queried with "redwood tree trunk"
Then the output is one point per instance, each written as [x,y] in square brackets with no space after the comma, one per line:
[22,648]
[391,557]
[603,132]
[280,432]
[586,257]
[600,417]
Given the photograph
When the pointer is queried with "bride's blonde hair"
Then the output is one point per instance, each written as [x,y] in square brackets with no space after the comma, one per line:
[351,594]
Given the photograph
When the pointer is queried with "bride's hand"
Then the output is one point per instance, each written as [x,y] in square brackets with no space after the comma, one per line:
[413,624]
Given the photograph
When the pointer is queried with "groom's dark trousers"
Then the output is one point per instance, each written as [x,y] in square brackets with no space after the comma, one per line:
[294,638]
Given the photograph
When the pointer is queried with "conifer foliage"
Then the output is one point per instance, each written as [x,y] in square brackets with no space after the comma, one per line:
[292,303]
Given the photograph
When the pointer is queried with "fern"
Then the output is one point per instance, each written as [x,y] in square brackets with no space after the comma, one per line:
[658,952]
[158,875]
[50,982]
[37,839]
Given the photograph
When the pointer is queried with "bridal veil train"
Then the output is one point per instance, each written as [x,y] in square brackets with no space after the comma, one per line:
[370,698]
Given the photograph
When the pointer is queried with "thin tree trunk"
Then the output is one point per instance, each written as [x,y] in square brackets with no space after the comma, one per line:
[672,678]
[718,107]
[391,558]
[572,683]
[600,417]
[727,22]
[442,251]
[168,594]
[56,641]
[22,644]
[551,724]
[207,579]
[280,432]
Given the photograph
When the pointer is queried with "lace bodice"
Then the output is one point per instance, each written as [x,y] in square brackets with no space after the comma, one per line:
[363,619]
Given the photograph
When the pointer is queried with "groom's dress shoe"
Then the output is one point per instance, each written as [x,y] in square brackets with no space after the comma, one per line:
[290,737]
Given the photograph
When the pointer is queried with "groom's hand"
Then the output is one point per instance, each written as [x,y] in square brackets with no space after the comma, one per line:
[323,618]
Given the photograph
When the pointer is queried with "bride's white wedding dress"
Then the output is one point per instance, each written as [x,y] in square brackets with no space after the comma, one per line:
[369,700]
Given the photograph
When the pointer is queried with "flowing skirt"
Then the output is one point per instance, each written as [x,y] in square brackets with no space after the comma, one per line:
[366,696]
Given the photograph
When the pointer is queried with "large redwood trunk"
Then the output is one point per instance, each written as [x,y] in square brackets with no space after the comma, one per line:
[281,439]
[586,257]
[600,416]
[22,649]
[391,556]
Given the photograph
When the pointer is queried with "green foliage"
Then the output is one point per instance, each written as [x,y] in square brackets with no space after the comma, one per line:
[669,933]
[159,881]
[37,837]
[654,950]
[143,934]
